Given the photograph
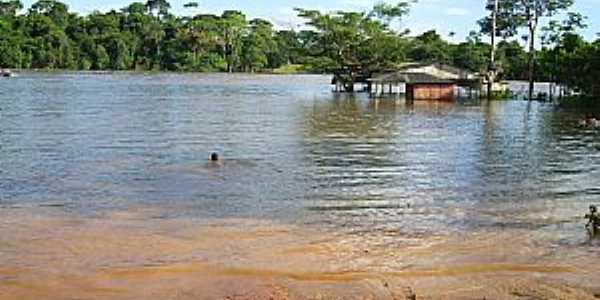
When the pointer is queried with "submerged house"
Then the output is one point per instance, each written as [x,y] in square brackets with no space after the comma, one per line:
[425,82]
[5,73]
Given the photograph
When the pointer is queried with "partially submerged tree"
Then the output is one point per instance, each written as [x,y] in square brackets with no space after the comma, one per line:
[352,44]
[258,46]
[516,14]
[233,26]
[200,37]
[558,40]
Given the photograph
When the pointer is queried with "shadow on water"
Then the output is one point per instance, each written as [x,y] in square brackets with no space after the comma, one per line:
[468,165]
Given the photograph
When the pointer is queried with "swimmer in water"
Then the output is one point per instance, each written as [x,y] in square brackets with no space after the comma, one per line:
[593,225]
[214,157]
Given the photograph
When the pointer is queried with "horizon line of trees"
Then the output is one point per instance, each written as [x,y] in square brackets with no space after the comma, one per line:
[147,36]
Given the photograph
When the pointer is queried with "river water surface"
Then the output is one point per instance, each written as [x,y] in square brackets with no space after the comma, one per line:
[368,174]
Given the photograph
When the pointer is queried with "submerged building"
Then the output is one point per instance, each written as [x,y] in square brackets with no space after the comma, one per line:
[426,82]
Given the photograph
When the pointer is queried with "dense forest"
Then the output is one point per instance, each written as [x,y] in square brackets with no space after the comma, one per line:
[146,36]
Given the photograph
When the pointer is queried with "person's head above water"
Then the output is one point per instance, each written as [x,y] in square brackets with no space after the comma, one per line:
[213,157]
[593,209]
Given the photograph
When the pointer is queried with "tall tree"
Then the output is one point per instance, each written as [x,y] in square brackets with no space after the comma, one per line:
[554,38]
[512,60]
[430,47]
[345,40]
[55,10]
[515,14]
[471,55]
[135,8]
[10,7]
[200,36]
[258,45]
[158,7]
[233,27]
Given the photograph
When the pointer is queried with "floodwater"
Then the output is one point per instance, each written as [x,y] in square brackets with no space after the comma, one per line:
[106,192]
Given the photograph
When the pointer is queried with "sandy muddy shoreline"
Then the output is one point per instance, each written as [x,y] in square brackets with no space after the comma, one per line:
[47,253]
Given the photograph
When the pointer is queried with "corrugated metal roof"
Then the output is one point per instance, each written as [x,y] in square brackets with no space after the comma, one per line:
[411,78]
[411,67]
[427,73]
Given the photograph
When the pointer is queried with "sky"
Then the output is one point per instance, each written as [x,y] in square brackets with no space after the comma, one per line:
[445,16]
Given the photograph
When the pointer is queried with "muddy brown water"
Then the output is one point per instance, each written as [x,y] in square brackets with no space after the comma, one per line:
[106,193]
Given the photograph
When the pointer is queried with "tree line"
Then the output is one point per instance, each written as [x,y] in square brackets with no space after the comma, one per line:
[147,36]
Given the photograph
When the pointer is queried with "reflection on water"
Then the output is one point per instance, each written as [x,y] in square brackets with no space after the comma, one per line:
[293,152]
[388,164]
[106,192]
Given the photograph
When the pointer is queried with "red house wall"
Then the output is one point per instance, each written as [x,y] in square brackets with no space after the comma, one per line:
[431,91]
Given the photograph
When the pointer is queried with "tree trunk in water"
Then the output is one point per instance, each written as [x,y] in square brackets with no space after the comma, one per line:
[489,86]
[349,86]
[228,60]
[227,55]
[492,65]
[531,59]
[561,92]
[348,82]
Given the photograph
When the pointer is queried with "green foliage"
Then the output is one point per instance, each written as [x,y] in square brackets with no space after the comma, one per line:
[290,69]
[388,12]
[141,36]
[232,27]
[10,7]
[471,56]
[512,60]
[354,44]
[135,8]
[430,47]
[12,55]
[257,46]
[159,7]
[517,14]
[145,36]
[58,12]
[101,58]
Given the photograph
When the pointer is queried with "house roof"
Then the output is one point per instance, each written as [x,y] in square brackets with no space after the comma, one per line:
[415,72]
[411,78]
[441,69]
